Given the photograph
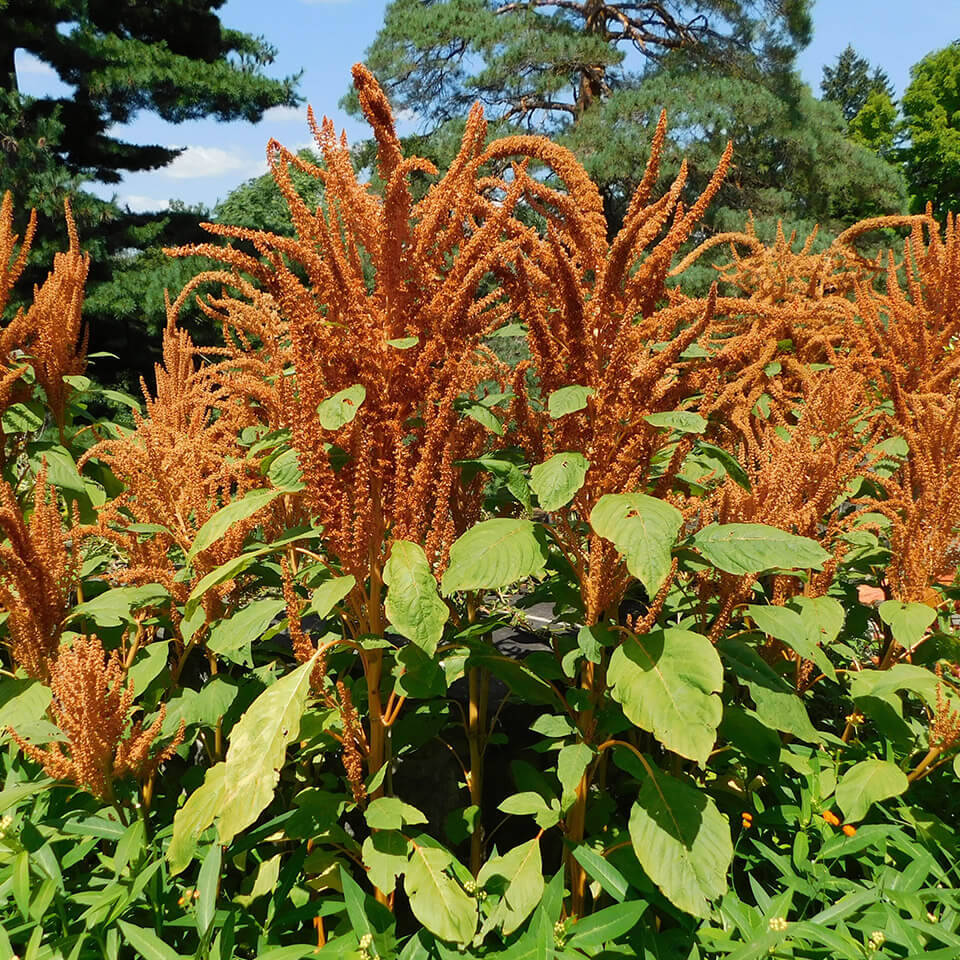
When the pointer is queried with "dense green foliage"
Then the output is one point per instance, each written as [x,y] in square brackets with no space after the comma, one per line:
[120,57]
[931,110]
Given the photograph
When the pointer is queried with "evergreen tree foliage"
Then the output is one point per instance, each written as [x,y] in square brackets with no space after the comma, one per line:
[595,76]
[931,110]
[850,82]
[121,57]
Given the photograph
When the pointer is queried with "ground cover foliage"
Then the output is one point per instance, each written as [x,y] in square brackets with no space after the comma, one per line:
[269,688]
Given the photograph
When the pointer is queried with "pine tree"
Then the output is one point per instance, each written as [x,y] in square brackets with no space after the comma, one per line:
[121,57]
[595,76]
[850,82]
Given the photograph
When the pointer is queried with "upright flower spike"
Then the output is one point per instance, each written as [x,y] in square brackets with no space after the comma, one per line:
[38,574]
[92,707]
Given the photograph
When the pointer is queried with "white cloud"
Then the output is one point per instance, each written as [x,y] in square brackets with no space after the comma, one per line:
[139,203]
[285,115]
[28,63]
[196,162]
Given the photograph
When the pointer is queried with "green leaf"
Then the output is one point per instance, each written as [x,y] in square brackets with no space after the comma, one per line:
[901,676]
[148,665]
[867,783]
[666,682]
[236,565]
[727,461]
[116,606]
[557,480]
[683,421]
[413,606]
[329,593]
[338,410]
[746,548]
[518,876]
[208,882]
[506,471]
[484,416]
[258,746]
[231,638]
[285,473]
[356,903]
[599,869]
[198,813]
[643,529]
[385,855]
[391,813]
[606,925]
[147,943]
[681,840]
[242,509]
[403,343]
[568,400]
[908,621]
[572,762]
[494,553]
[824,617]
[789,627]
[436,899]
[268,872]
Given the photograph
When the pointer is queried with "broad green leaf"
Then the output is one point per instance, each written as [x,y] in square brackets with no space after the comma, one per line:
[778,705]
[572,762]
[242,509]
[666,682]
[236,565]
[199,707]
[258,746]
[867,783]
[208,882]
[600,869]
[149,663]
[147,944]
[683,421]
[643,529]
[23,705]
[403,343]
[116,606]
[285,473]
[391,813]
[557,480]
[413,606]
[198,813]
[494,553]
[326,596]
[436,899]
[338,410]
[682,841]
[901,676]
[824,617]
[568,400]
[505,470]
[231,638]
[356,904]
[908,621]
[527,803]
[746,548]
[385,855]
[518,876]
[484,416]
[790,627]
[265,881]
[715,455]
[606,925]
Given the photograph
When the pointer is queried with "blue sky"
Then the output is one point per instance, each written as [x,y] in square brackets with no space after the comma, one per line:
[324,38]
